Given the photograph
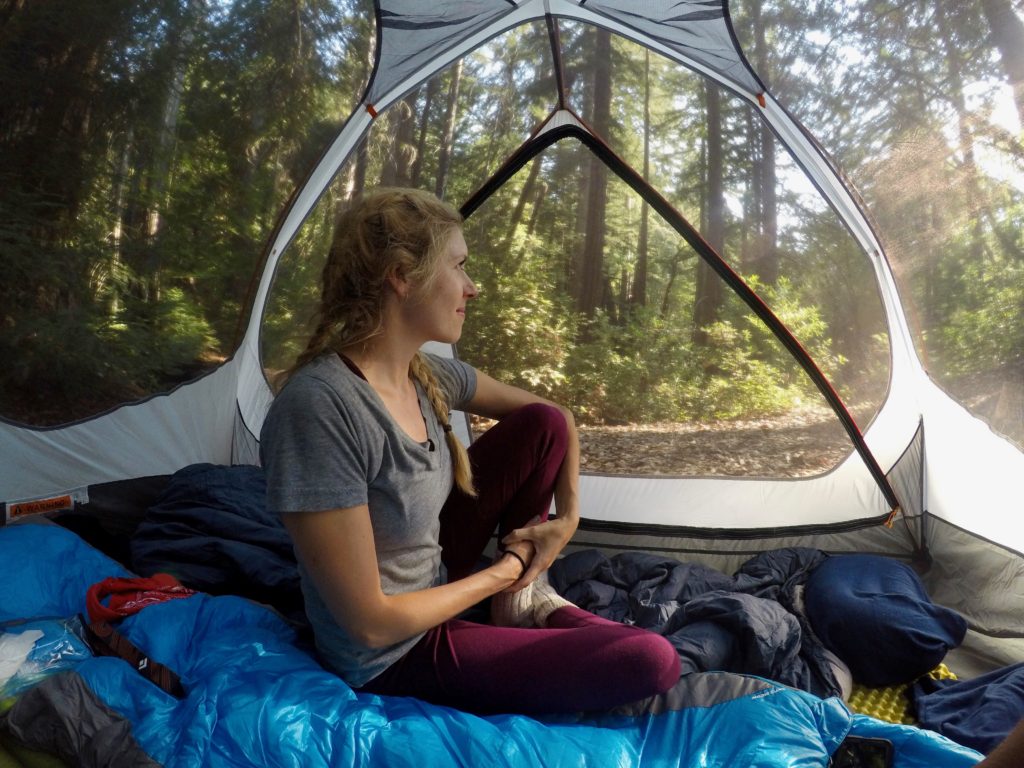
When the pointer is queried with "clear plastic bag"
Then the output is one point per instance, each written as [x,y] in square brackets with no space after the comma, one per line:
[33,649]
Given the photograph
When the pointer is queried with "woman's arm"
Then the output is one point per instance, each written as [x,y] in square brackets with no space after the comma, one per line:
[495,399]
[1009,753]
[337,548]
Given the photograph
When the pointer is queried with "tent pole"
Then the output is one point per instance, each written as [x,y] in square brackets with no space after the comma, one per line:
[543,139]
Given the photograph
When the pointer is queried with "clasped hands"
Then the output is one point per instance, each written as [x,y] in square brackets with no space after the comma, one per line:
[536,545]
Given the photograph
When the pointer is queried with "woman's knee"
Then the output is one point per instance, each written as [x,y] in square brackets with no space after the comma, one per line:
[666,664]
[655,666]
[545,421]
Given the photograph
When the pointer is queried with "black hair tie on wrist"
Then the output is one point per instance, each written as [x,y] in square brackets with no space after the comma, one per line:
[518,557]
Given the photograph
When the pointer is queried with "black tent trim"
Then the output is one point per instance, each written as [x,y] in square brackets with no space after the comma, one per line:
[541,140]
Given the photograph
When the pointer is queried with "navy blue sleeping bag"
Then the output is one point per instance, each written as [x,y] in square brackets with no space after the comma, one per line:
[212,531]
[977,713]
[875,615]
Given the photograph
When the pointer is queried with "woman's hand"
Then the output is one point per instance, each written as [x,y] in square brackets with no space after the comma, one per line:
[337,548]
[547,538]
[519,556]
[496,400]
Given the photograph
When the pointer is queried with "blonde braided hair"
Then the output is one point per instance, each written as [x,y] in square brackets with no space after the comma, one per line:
[384,233]
[463,472]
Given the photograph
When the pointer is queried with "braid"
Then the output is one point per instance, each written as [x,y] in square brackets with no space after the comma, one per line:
[421,371]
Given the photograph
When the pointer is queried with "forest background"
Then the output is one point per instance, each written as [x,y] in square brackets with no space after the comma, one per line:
[147,150]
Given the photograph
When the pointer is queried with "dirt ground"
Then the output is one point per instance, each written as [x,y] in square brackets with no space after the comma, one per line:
[799,444]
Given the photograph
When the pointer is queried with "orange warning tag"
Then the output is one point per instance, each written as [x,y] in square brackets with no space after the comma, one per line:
[38,506]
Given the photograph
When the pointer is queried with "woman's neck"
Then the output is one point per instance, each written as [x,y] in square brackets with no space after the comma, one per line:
[385,366]
[385,358]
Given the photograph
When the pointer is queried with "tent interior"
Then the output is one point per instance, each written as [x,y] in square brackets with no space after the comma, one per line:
[769,252]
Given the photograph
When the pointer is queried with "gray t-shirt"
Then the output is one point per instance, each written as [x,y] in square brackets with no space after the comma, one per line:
[328,442]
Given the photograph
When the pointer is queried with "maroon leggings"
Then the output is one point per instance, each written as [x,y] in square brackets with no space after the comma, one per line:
[579,661]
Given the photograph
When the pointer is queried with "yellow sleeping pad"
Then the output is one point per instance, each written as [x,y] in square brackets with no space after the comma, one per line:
[890,703]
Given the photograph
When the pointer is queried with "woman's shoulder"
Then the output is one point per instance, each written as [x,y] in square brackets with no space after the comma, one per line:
[449,367]
[321,383]
[325,373]
[324,396]
[457,379]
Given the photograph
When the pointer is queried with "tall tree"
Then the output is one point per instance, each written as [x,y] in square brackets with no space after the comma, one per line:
[767,253]
[592,277]
[639,293]
[708,295]
[421,142]
[1008,34]
[525,195]
[444,156]
[178,53]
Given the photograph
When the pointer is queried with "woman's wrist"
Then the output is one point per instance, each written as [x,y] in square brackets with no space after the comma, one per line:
[518,559]
[505,569]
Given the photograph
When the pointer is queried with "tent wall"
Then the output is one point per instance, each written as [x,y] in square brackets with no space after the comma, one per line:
[978,577]
[194,423]
[973,474]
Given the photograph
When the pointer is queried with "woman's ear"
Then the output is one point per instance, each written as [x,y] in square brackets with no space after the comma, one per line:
[399,283]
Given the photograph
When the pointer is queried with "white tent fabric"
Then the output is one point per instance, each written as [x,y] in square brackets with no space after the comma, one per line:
[194,423]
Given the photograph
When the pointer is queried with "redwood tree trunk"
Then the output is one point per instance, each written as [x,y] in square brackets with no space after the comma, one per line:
[708,295]
[421,142]
[445,156]
[639,293]
[592,278]
[1008,34]
[768,214]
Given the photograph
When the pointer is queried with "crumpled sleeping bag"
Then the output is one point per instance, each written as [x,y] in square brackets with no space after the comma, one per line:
[873,612]
[212,531]
[978,713]
[254,699]
[746,623]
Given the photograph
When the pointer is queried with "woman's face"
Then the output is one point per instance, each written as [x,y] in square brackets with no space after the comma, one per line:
[440,308]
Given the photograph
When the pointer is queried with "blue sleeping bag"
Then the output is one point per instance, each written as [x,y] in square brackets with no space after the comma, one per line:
[874,614]
[979,713]
[254,699]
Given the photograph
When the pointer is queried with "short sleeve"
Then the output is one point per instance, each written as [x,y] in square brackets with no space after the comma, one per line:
[456,379]
[315,456]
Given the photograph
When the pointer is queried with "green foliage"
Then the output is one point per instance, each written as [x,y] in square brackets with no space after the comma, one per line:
[643,371]
[984,332]
[752,386]
[650,370]
[84,357]
[647,369]
[290,317]
[147,150]
[520,335]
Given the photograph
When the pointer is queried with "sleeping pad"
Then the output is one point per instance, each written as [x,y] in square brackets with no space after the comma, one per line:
[253,698]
